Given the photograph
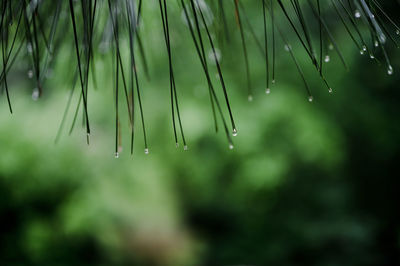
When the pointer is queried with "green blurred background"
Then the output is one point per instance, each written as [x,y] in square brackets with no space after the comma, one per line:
[306,184]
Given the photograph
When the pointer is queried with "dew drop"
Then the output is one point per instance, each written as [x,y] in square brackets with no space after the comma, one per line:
[397,32]
[390,70]
[327,58]
[234,132]
[382,38]
[146,151]
[231,146]
[330,47]
[250,98]
[330,90]
[35,94]
[267,90]
[205,10]
[200,5]
[177,145]
[310,98]
[185,148]
[371,56]
[287,48]
[361,52]
[30,74]
[376,43]
[357,14]
[116,155]
[215,56]
[364,48]
[29,47]
[273,81]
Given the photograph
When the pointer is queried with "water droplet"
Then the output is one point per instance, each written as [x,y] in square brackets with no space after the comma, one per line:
[361,52]
[231,146]
[327,58]
[116,155]
[146,151]
[364,48]
[310,98]
[397,32]
[177,145]
[250,98]
[330,90]
[267,90]
[215,56]
[273,81]
[371,56]
[357,14]
[205,10]
[35,94]
[234,132]
[330,47]
[382,38]
[30,74]
[390,70]
[185,148]
[288,48]
[376,43]
[29,47]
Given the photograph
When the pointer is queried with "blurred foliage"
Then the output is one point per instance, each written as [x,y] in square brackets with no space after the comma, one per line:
[306,184]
